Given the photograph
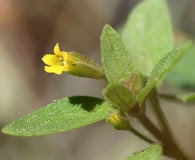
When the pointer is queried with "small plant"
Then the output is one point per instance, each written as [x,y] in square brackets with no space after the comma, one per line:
[134,64]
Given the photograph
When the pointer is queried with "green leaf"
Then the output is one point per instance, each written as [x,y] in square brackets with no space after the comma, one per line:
[148,34]
[165,64]
[117,62]
[182,75]
[60,116]
[119,96]
[186,98]
[153,152]
[189,97]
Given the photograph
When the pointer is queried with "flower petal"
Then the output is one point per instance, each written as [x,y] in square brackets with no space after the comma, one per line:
[65,56]
[57,50]
[54,69]
[52,60]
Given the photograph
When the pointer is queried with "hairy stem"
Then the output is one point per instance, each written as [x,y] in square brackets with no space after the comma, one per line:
[175,147]
[140,135]
[156,133]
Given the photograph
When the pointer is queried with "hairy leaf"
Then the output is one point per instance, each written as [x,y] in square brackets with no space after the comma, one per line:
[116,58]
[165,64]
[148,34]
[153,152]
[60,116]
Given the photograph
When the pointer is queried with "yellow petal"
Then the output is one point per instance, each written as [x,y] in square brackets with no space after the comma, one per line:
[65,56]
[54,69]
[52,60]
[57,50]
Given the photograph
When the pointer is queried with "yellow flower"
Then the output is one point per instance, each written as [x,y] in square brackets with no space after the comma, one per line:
[72,63]
[58,62]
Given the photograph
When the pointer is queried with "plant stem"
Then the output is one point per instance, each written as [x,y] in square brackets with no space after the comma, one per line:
[171,97]
[176,149]
[168,96]
[156,133]
[138,134]
[150,127]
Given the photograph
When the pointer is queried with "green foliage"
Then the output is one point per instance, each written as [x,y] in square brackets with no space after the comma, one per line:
[132,66]
[186,98]
[165,64]
[153,152]
[60,116]
[148,34]
[189,97]
[119,96]
[116,59]
[182,75]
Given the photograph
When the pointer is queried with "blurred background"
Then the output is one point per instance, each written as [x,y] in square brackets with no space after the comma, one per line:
[29,29]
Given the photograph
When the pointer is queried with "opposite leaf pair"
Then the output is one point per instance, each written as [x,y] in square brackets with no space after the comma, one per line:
[121,66]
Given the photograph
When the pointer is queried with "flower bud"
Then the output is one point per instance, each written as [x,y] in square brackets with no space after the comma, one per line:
[118,120]
[135,83]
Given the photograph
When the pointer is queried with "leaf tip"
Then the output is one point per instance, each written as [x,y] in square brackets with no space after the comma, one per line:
[6,130]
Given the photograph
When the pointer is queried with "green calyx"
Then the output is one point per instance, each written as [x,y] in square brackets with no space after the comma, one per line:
[123,95]
[83,66]
[119,97]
